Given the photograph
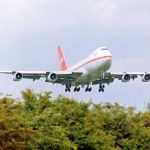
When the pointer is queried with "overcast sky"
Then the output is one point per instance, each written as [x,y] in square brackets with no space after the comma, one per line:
[30,32]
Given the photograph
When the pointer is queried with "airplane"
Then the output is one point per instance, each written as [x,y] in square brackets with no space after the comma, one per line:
[93,70]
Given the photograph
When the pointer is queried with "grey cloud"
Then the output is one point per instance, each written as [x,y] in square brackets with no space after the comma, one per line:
[30,32]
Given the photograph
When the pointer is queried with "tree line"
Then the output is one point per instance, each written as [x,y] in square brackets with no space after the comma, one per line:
[39,122]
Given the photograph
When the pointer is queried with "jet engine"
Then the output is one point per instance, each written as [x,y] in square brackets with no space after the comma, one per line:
[146,77]
[17,76]
[52,77]
[126,77]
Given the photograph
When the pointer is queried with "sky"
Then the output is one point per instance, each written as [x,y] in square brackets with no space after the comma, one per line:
[30,32]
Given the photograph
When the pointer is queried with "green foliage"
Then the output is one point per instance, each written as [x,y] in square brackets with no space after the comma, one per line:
[14,131]
[39,122]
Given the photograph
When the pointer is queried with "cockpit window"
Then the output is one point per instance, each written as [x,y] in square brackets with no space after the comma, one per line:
[103,48]
[97,51]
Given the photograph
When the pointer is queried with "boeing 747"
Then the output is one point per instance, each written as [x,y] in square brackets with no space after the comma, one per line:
[93,70]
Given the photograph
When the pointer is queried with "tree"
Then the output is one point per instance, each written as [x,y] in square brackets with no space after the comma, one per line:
[14,131]
[40,122]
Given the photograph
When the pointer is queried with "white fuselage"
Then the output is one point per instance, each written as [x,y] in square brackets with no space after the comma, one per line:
[93,66]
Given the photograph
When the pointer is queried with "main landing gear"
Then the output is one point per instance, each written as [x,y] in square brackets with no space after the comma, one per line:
[76,89]
[88,89]
[68,88]
[101,88]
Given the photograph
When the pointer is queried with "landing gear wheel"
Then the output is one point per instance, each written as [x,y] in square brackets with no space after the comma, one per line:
[101,88]
[68,88]
[76,89]
[88,89]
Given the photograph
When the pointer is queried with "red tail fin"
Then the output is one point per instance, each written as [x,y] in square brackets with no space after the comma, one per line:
[63,64]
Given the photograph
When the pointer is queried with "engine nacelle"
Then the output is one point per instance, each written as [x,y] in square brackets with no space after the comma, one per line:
[52,77]
[126,77]
[146,77]
[17,76]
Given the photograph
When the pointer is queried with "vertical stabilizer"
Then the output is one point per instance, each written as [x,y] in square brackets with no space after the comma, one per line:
[62,61]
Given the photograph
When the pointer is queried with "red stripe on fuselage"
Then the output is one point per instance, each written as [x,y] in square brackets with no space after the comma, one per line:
[92,61]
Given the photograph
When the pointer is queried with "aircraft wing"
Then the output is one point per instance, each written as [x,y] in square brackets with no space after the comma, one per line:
[60,77]
[26,74]
[64,77]
[109,77]
[132,75]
